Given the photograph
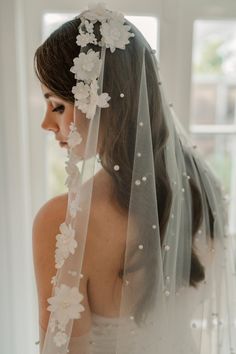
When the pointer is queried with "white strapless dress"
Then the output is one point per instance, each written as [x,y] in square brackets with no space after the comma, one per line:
[102,336]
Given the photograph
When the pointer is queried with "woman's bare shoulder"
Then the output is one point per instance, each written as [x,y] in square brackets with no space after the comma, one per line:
[54,208]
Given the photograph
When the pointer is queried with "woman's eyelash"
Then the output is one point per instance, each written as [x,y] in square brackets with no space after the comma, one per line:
[58,109]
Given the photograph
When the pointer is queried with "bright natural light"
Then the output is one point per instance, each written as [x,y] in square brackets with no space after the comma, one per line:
[213,103]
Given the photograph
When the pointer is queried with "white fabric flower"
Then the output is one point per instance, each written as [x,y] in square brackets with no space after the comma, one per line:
[73,157]
[72,127]
[87,66]
[115,34]
[74,207]
[81,91]
[74,139]
[85,38]
[72,170]
[59,259]
[118,16]
[65,244]
[72,180]
[96,100]
[53,280]
[89,26]
[65,305]
[60,338]
[52,324]
[66,239]
[97,12]
[90,104]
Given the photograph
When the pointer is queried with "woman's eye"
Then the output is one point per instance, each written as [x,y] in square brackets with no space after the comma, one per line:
[59,109]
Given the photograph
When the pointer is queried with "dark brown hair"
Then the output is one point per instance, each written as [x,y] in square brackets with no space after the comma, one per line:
[53,60]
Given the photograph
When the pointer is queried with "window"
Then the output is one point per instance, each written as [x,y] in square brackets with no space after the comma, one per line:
[213,101]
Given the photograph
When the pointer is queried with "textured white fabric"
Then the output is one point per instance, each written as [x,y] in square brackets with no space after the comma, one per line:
[101,338]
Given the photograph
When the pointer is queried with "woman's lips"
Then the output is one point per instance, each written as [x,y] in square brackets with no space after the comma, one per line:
[62,144]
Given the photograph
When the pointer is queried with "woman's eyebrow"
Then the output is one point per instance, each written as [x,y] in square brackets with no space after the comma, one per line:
[49,94]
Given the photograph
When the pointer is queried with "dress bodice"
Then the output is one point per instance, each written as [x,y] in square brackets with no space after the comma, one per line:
[102,336]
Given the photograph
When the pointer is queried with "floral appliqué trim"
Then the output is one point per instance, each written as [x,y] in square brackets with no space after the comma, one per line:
[72,180]
[65,244]
[87,66]
[65,305]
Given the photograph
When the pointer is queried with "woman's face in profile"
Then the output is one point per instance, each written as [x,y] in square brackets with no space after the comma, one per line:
[58,117]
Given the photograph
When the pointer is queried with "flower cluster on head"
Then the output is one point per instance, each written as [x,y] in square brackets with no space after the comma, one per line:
[87,66]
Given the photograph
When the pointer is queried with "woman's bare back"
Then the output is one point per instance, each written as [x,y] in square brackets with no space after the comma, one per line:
[104,253]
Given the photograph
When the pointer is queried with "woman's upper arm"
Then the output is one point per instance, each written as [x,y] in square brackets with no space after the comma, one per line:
[45,228]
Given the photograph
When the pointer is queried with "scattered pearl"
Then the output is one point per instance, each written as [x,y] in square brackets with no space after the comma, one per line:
[183,190]
[81,275]
[199,232]
[131,317]
[139,154]
[122,95]
[214,314]
[154,226]
[167,278]
[172,216]
[127,282]
[194,325]
[141,124]
[167,247]
[137,182]
[144,178]
[213,250]
[116,167]
[174,182]
[140,247]
[167,293]
[188,177]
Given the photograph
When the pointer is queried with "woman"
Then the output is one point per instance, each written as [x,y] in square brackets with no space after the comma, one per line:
[142,240]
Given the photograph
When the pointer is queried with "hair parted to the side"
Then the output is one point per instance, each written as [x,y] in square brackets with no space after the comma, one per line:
[53,60]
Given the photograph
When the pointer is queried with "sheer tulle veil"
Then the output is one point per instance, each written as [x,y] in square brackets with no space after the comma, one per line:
[178,274]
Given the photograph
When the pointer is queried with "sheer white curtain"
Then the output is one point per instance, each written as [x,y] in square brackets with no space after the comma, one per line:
[17,295]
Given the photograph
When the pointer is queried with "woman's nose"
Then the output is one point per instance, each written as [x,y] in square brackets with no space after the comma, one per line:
[49,123]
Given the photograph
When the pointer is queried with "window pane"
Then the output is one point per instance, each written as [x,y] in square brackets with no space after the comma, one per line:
[219,150]
[214,73]
[56,156]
